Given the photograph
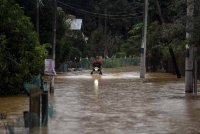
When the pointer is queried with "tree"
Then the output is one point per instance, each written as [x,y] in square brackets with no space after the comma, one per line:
[133,43]
[21,54]
[108,19]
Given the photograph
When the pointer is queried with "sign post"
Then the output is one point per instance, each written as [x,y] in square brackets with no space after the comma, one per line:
[50,71]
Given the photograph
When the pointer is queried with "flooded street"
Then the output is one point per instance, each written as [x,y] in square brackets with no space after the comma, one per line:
[11,110]
[118,102]
[121,103]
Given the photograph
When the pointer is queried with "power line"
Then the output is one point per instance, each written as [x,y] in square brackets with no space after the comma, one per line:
[107,15]
[80,5]
[100,14]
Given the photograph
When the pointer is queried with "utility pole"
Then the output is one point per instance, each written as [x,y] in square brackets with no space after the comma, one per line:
[54,29]
[37,18]
[144,42]
[54,41]
[189,48]
[195,70]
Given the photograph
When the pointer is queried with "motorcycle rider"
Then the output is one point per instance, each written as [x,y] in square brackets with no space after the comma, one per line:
[97,63]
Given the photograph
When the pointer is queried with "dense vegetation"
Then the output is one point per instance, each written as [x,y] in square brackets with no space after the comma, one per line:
[21,55]
[114,28]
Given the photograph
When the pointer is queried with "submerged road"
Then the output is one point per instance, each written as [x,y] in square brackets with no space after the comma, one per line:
[120,103]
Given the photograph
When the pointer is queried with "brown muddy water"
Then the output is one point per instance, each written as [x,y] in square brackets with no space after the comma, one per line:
[118,102]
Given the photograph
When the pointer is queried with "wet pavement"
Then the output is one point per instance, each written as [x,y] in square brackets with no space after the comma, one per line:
[118,102]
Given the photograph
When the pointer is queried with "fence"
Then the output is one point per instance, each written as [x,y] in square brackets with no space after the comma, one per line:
[113,62]
[85,63]
[121,62]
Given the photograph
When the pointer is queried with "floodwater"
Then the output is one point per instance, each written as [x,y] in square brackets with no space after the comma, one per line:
[118,102]
[12,108]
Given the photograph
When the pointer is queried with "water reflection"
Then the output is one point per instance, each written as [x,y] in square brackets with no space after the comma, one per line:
[96,88]
[119,75]
[14,104]
[13,107]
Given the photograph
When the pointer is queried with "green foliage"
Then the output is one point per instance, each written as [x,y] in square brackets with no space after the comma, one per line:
[97,41]
[63,49]
[154,35]
[70,44]
[160,37]
[21,55]
[120,62]
[45,19]
[132,45]
[120,34]
[93,26]
[106,31]
[115,44]
[120,54]
[74,52]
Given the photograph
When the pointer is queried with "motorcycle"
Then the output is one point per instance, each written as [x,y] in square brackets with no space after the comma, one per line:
[96,70]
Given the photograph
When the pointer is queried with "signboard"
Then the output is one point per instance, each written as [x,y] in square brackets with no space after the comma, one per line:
[49,67]
[75,24]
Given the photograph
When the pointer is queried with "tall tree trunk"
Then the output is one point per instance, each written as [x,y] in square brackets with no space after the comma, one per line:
[160,12]
[189,48]
[178,74]
[170,48]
